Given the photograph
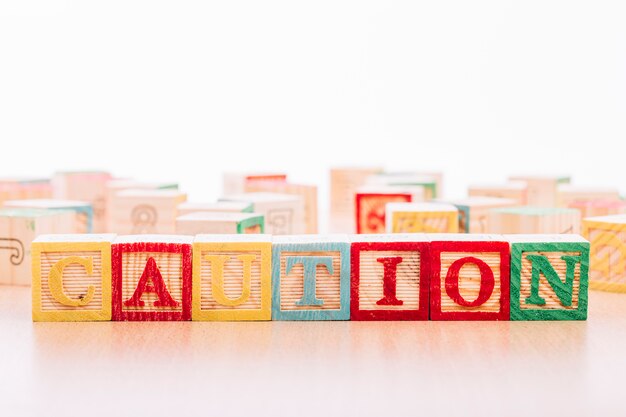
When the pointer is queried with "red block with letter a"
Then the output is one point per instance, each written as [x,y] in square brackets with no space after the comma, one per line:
[390,277]
[469,277]
[151,278]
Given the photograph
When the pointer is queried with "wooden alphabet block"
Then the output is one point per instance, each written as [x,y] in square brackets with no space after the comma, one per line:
[283,213]
[237,182]
[343,185]
[390,277]
[311,278]
[474,212]
[117,185]
[88,186]
[83,212]
[145,211]
[549,277]
[599,207]
[607,258]
[422,218]
[218,206]
[568,194]
[547,220]
[371,204]
[469,278]
[401,179]
[24,188]
[18,229]
[232,277]
[308,193]
[542,190]
[151,278]
[72,277]
[515,190]
[219,223]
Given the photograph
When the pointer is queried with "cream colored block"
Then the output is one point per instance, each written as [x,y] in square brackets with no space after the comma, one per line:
[219,223]
[145,211]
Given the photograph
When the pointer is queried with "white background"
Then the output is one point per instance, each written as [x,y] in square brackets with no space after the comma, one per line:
[184,90]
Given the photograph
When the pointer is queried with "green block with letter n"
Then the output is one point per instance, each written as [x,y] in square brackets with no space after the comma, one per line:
[549,280]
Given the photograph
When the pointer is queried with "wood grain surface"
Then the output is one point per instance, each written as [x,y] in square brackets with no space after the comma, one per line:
[313,368]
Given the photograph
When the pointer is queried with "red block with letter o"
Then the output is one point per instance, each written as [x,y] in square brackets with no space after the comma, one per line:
[470,280]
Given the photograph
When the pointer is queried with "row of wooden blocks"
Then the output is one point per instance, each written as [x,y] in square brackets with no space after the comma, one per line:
[310,277]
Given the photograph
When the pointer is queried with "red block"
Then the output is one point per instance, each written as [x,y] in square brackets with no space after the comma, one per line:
[469,279]
[370,210]
[151,278]
[390,278]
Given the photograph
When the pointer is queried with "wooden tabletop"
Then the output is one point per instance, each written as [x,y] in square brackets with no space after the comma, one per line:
[313,368]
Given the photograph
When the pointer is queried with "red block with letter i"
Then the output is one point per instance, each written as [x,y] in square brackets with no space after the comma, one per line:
[151,277]
[469,277]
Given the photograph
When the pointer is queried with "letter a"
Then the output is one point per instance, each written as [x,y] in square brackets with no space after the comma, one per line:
[151,272]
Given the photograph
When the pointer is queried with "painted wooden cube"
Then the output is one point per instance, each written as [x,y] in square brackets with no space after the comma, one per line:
[219,223]
[18,229]
[549,277]
[469,277]
[283,213]
[311,278]
[607,257]
[344,182]
[547,220]
[421,218]
[542,189]
[371,202]
[232,277]
[568,194]
[599,207]
[83,212]
[24,188]
[308,193]
[390,277]
[152,277]
[514,190]
[407,179]
[145,211]
[87,186]
[218,206]
[236,182]
[72,277]
[474,212]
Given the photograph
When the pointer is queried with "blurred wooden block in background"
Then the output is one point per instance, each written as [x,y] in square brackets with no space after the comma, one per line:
[429,183]
[83,212]
[371,202]
[421,218]
[151,278]
[87,186]
[344,181]
[145,211]
[72,277]
[283,213]
[517,191]
[311,278]
[601,207]
[219,223]
[473,212]
[218,206]
[390,277]
[18,229]
[547,220]
[568,194]
[117,185]
[549,277]
[232,277]
[308,193]
[237,182]
[542,190]
[470,277]
[607,258]
[24,188]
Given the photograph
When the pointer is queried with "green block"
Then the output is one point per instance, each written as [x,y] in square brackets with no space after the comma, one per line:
[545,279]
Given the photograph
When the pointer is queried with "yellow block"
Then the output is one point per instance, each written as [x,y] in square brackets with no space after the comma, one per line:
[71,280]
[607,256]
[231,281]
[425,222]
